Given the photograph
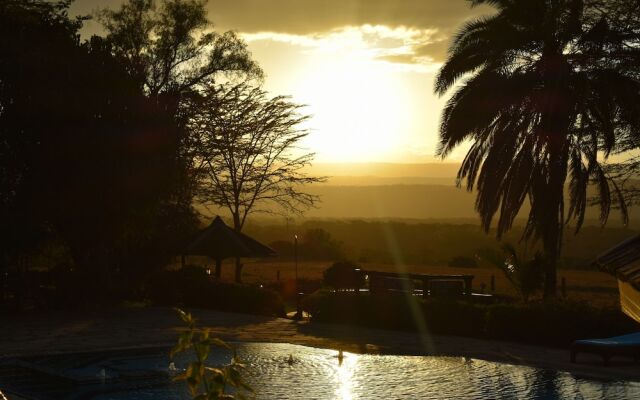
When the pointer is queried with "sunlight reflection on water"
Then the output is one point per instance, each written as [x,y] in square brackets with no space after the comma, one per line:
[285,371]
[317,374]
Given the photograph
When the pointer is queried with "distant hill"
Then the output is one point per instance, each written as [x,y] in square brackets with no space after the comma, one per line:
[400,201]
[404,191]
[387,170]
[393,201]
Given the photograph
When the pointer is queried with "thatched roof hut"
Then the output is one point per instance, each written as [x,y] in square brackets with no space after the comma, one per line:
[623,262]
[219,242]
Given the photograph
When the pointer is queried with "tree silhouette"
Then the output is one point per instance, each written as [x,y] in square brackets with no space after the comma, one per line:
[171,49]
[550,93]
[245,147]
[86,157]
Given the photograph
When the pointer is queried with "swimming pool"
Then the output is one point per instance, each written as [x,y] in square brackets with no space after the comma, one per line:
[285,371]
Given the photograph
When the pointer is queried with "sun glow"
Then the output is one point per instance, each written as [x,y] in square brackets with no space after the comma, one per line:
[363,107]
[357,108]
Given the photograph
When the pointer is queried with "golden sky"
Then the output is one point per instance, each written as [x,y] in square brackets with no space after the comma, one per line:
[364,68]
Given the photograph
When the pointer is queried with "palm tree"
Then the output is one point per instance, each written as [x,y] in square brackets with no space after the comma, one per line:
[550,93]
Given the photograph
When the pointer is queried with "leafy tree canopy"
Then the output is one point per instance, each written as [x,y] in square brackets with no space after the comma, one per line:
[170,47]
[84,154]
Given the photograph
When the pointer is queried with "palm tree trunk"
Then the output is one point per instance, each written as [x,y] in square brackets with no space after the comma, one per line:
[555,124]
[553,220]
[551,264]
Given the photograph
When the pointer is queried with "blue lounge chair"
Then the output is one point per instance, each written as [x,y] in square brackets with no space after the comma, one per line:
[625,345]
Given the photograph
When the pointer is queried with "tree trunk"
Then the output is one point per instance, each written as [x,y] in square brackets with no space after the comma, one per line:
[550,274]
[237,226]
[553,221]
[555,125]
[552,225]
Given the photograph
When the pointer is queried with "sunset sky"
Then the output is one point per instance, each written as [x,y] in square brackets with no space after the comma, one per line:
[365,68]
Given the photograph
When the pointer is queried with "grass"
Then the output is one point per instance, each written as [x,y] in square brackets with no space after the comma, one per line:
[597,288]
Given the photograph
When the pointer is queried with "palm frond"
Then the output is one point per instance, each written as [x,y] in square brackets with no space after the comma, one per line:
[477,105]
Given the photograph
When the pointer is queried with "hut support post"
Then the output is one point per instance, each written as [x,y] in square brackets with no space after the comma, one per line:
[238,270]
[218,268]
[468,281]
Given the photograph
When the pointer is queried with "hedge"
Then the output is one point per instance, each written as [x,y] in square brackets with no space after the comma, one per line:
[192,287]
[554,324]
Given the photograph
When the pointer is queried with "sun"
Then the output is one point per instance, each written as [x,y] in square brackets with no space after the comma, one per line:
[357,109]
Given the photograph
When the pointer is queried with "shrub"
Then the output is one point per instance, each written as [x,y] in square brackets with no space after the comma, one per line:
[192,287]
[344,275]
[453,317]
[554,324]
[463,262]
[385,311]
[525,275]
[317,244]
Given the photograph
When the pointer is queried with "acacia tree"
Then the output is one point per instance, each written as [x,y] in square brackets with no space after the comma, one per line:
[551,91]
[173,52]
[625,15]
[172,49]
[246,149]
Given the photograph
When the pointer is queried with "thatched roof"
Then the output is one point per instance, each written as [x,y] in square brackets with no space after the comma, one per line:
[219,241]
[623,261]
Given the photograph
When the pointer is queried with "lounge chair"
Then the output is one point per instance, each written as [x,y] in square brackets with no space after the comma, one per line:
[625,345]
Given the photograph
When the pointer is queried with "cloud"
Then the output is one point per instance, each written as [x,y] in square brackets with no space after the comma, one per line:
[417,31]
[433,50]
[407,49]
[315,16]
[401,31]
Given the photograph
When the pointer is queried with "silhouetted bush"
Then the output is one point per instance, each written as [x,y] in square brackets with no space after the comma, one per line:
[315,244]
[384,311]
[451,317]
[283,248]
[192,287]
[553,324]
[420,242]
[343,275]
[463,262]
[526,275]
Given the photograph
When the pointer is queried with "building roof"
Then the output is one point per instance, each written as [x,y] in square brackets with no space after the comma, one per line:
[219,241]
[623,261]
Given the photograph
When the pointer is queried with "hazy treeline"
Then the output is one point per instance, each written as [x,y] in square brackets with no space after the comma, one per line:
[415,242]
[368,197]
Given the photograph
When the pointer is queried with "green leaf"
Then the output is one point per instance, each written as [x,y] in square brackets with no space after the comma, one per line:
[221,343]
[180,377]
[202,350]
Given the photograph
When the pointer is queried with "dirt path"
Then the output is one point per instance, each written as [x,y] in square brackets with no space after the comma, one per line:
[123,328]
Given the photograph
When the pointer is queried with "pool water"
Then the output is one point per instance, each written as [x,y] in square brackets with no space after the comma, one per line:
[285,371]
